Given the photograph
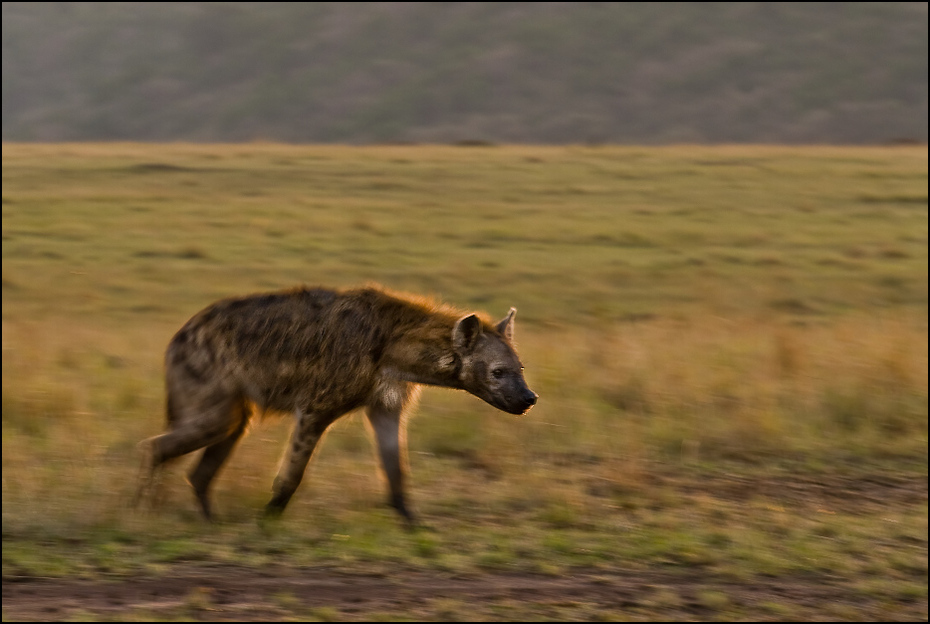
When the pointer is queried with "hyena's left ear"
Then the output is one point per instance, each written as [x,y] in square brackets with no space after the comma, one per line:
[505,327]
[465,333]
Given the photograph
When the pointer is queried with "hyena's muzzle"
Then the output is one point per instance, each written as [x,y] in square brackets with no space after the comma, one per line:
[506,390]
[518,399]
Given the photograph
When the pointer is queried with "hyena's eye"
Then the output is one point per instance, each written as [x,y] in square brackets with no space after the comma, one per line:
[498,373]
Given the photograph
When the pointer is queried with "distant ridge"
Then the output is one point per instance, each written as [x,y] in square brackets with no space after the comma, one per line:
[466,72]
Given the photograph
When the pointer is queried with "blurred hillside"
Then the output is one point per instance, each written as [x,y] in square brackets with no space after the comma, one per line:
[447,72]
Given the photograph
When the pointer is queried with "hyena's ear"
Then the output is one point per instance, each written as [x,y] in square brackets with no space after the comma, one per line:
[505,327]
[466,332]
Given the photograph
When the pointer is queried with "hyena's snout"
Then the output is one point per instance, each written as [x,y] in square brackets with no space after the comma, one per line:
[529,399]
[522,400]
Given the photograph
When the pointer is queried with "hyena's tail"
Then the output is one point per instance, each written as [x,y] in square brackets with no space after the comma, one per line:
[171,412]
[146,472]
[148,463]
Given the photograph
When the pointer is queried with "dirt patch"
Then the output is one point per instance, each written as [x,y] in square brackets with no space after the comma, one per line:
[237,594]
[376,591]
[850,494]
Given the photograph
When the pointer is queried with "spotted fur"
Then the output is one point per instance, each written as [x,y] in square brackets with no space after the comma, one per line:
[320,354]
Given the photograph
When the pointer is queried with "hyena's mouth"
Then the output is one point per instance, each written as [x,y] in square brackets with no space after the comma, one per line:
[525,405]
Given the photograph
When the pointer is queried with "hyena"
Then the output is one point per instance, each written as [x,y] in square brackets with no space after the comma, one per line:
[321,354]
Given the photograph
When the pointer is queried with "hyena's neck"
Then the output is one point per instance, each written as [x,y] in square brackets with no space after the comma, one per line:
[424,355]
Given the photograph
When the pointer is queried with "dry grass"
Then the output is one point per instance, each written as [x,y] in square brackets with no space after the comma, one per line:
[694,320]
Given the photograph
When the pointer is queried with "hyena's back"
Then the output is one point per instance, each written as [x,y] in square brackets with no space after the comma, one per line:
[306,349]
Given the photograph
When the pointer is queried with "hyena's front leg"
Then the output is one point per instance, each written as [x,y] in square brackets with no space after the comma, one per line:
[392,447]
[306,435]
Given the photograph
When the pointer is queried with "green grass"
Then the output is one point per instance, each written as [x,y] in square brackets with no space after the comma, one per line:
[729,343]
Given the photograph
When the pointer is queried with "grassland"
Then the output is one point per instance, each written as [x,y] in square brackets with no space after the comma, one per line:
[729,343]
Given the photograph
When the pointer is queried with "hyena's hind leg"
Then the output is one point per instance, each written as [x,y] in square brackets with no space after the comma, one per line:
[214,456]
[194,425]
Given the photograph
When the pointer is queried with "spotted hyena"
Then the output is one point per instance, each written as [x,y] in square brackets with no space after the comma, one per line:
[321,354]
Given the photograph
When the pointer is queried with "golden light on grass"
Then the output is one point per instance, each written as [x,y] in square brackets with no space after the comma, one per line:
[699,322]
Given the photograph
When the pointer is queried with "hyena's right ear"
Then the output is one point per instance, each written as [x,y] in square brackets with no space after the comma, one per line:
[505,327]
[466,332]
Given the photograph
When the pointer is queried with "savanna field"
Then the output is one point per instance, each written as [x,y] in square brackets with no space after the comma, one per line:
[729,344]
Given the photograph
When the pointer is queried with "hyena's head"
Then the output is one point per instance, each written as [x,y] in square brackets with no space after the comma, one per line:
[490,368]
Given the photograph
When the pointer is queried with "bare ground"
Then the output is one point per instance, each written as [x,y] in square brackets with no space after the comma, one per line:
[239,594]
[357,593]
